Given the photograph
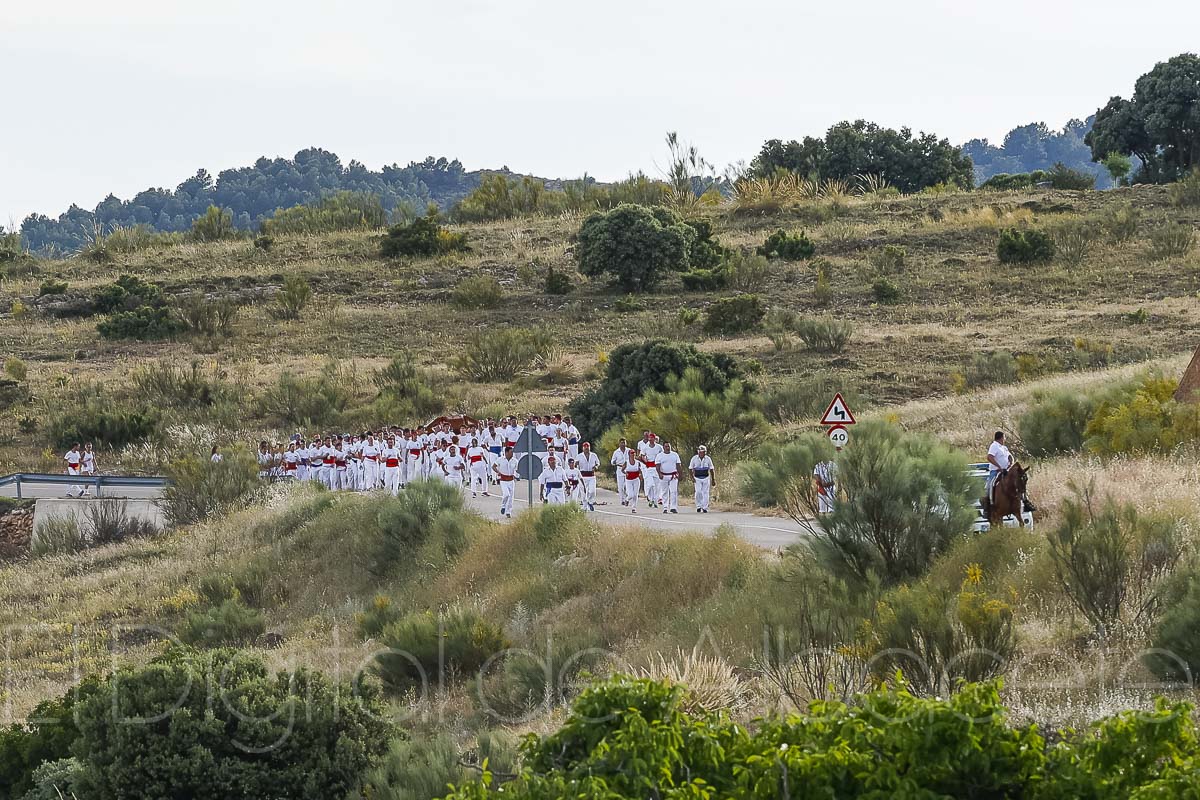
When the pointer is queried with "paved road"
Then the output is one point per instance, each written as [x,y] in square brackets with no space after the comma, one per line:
[769,532]
[31,491]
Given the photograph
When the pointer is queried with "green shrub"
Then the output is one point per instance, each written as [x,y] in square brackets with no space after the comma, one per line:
[705,280]
[1172,240]
[825,335]
[747,272]
[109,522]
[54,780]
[11,248]
[127,293]
[1149,421]
[1004,181]
[382,613]
[1186,190]
[15,368]
[27,750]
[499,354]
[1120,221]
[203,317]
[628,304]
[1056,423]
[264,242]
[231,723]
[478,291]
[1110,560]
[997,368]
[557,283]
[293,297]
[804,400]
[1024,247]
[103,422]
[823,289]
[421,237]
[634,245]
[215,225]
[541,680]
[163,385]
[890,258]
[787,246]
[50,286]
[420,389]
[200,488]
[342,211]
[229,623]
[885,292]
[1073,241]
[57,535]
[732,315]
[417,769]
[426,650]
[296,401]
[143,324]
[426,509]
[636,368]
[1064,177]
[1175,653]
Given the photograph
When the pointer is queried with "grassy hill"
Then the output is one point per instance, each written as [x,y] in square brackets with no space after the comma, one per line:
[926,359]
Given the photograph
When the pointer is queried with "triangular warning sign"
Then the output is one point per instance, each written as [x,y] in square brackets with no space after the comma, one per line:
[838,412]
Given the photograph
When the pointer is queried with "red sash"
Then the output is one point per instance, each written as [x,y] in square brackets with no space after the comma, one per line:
[392,462]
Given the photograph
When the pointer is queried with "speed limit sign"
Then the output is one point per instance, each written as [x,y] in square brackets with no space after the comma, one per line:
[838,435]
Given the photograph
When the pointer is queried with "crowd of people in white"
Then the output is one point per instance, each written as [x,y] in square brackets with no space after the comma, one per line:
[480,457]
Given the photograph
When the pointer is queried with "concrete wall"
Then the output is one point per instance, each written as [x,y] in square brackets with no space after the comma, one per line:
[59,507]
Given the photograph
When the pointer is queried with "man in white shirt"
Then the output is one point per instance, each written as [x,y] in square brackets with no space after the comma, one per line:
[74,460]
[588,464]
[492,441]
[370,456]
[477,459]
[703,473]
[574,483]
[633,480]
[454,466]
[668,474]
[825,478]
[650,450]
[390,456]
[617,461]
[505,469]
[572,435]
[999,459]
[554,482]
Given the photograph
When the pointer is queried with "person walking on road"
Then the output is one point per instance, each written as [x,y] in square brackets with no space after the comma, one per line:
[554,482]
[633,481]
[620,458]
[668,476]
[588,464]
[505,468]
[825,477]
[704,474]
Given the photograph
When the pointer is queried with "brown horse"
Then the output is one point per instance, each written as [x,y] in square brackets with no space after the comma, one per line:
[1009,496]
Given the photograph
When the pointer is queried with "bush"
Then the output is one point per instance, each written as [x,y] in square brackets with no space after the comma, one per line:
[997,368]
[1149,421]
[209,318]
[50,286]
[478,291]
[426,509]
[231,723]
[421,768]
[382,613]
[293,298]
[747,272]
[890,258]
[823,289]
[788,246]
[230,623]
[903,498]
[110,522]
[1120,221]
[826,335]
[15,368]
[1063,177]
[296,401]
[421,237]
[215,225]
[1024,247]
[403,380]
[143,324]
[1175,653]
[425,650]
[634,369]
[732,315]
[557,283]
[804,400]
[28,751]
[163,385]
[499,354]
[342,211]
[103,422]
[200,488]
[1186,191]
[1172,240]
[1004,181]
[729,421]
[264,242]
[634,245]
[885,292]
[57,535]
[705,280]
[1108,557]
[1073,241]
[127,293]
[1056,423]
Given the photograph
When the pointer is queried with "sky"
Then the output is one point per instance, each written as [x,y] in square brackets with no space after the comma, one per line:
[118,96]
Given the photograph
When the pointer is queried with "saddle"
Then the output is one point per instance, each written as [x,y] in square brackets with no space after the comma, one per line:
[992,489]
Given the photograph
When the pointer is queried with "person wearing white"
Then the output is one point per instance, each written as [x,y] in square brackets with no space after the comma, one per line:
[633,481]
[477,458]
[999,459]
[370,455]
[265,459]
[341,475]
[554,481]
[574,483]
[701,467]
[572,434]
[492,441]
[414,451]
[650,450]
[505,469]
[291,461]
[825,476]
[668,474]
[454,466]
[329,466]
[87,466]
[74,460]
[588,464]
[619,459]
[390,456]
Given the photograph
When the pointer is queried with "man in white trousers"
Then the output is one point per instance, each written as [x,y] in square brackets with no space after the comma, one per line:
[619,459]
[633,481]
[650,450]
[370,456]
[554,482]
[703,473]
[477,461]
[505,468]
[588,464]
[668,476]
[390,457]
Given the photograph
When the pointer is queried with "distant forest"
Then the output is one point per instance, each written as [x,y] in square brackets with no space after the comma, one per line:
[253,194]
[1034,146]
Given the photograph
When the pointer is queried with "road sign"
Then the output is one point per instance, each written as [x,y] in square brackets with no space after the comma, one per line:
[530,450]
[839,435]
[838,412]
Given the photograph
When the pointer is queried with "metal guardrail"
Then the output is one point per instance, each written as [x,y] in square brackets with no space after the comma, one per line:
[20,479]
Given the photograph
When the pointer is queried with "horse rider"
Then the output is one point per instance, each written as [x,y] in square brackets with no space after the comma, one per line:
[999,461]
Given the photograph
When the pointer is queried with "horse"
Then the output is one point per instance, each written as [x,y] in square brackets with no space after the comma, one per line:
[1008,496]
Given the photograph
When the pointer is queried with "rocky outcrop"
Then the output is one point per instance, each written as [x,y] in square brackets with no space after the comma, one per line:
[16,531]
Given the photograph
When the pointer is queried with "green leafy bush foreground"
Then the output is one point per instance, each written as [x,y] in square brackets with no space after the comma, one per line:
[633,739]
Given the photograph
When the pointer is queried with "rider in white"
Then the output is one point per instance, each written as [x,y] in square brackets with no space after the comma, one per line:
[999,460]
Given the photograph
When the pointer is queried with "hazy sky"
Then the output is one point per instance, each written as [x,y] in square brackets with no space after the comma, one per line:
[120,95]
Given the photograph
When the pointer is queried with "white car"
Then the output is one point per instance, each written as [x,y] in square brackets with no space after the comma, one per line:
[981,523]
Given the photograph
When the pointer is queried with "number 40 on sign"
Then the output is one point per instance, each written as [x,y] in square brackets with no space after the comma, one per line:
[837,417]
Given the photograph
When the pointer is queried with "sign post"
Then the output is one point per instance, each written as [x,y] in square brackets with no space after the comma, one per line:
[529,461]
[836,417]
